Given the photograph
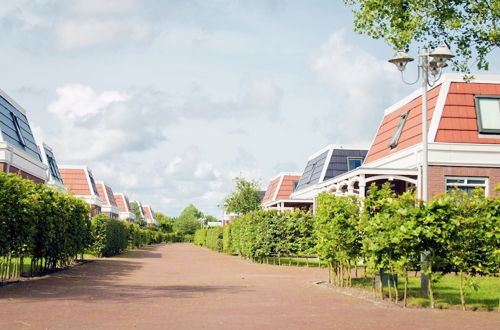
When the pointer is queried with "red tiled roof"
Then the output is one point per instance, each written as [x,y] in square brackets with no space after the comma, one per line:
[271,189]
[458,122]
[76,181]
[283,184]
[148,212]
[286,187]
[108,198]
[122,202]
[411,133]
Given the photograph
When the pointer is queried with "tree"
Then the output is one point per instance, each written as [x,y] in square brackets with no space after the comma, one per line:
[470,27]
[165,223]
[246,197]
[188,221]
[139,219]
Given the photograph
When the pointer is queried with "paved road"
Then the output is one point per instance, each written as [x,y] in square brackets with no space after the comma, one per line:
[181,286]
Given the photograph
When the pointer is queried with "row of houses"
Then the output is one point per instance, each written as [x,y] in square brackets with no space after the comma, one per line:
[463,149]
[24,154]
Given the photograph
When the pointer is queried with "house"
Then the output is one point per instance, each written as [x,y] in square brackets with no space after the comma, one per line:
[124,206]
[324,165]
[149,215]
[80,182]
[278,192]
[54,177]
[463,141]
[109,206]
[18,150]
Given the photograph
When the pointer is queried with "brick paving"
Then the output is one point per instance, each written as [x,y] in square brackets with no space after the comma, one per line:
[181,286]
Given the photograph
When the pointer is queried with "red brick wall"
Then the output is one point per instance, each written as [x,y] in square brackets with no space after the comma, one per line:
[437,174]
[24,175]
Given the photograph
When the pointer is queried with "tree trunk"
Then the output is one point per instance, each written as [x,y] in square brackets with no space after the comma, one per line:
[462,295]
[406,289]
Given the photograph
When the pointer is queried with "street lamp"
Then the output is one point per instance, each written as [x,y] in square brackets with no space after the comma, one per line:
[223,206]
[434,63]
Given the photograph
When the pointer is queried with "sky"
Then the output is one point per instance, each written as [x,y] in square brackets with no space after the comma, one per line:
[167,101]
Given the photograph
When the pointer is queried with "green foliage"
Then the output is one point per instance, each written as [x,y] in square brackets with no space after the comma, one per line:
[200,237]
[36,222]
[246,197]
[139,219]
[110,236]
[338,237]
[165,223]
[188,221]
[261,234]
[471,27]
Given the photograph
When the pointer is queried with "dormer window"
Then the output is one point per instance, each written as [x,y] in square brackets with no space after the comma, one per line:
[18,129]
[488,114]
[397,134]
[54,171]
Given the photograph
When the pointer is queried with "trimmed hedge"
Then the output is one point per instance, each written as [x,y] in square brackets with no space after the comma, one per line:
[37,222]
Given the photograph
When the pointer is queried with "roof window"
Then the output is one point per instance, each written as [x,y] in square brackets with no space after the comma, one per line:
[312,172]
[18,129]
[395,138]
[488,114]
[54,171]
[354,162]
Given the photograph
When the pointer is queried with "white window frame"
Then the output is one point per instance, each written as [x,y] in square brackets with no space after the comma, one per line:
[480,128]
[353,158]
[466,182]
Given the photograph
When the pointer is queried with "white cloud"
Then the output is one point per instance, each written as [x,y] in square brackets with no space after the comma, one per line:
[94,125]
[76,101]
[260,96]
[190,167]
[361,84]
[89,32]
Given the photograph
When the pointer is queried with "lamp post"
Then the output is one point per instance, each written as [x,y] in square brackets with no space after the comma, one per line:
[223,206]
[432,63]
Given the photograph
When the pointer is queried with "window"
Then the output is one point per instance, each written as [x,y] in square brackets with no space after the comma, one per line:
[18,129]
[54,171]
[466,184]
[354,162]
[395,138]
[312,172]
[295,183]
[488,114]
[92,182]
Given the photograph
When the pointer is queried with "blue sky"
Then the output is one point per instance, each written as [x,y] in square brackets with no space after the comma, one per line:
[167,101]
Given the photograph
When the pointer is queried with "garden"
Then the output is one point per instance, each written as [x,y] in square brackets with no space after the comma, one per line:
[453,240]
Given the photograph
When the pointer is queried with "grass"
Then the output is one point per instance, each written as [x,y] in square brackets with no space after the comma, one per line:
[295,261]
[447,292]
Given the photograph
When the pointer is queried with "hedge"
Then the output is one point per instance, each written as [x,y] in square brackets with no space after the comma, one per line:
[52,229]
[37,222]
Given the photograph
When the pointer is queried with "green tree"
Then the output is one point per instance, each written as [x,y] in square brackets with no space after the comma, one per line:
[165,223]
[188,221]
[469,26]
[139,219]
[246,197]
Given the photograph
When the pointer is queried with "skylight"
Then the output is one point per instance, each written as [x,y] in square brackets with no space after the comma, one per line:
[488,114]
[397,134]
[18,129]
